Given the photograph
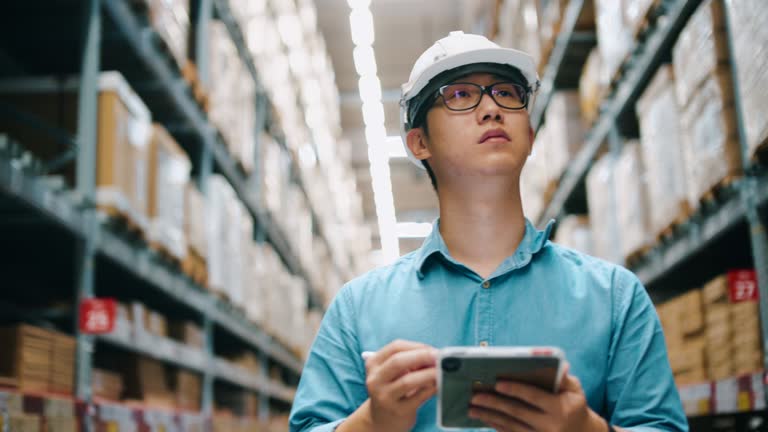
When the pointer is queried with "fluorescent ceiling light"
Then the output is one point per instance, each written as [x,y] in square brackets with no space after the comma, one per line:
[413,229]
[370,89]
[395,147]
[361,23]
[365,61]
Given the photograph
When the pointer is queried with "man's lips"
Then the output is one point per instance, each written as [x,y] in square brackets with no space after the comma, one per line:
[495,133]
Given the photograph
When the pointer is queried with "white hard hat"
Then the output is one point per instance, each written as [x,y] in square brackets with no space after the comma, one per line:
[458,50]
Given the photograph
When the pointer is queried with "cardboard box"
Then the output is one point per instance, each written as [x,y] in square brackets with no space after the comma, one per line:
[631,201]
[187,332]
[146,380]
[106,384]
[123,134]
[721,372]
[195,220]
[716,290]
[157,324]
[692,376]
[62,364]
[169,169]
[592,89]
[24,423]
[26,357]
[188,390]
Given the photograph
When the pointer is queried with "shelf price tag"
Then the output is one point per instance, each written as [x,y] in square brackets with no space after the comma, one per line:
[742,286]
[97,315]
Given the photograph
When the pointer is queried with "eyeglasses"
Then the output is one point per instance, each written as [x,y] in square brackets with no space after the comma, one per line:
[467,96]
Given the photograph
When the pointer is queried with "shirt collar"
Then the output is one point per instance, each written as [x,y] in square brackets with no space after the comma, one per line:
[533,241]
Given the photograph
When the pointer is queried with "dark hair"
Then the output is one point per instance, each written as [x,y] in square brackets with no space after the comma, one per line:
[425,100]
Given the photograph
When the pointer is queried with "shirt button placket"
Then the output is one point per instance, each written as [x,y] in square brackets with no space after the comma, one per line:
[484,318]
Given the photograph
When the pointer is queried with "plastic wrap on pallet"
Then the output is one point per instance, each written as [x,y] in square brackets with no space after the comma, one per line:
[615,39]
[591,88]
[195,220]
[123,133]
[220,195]
[565,132]
[750,42]
[522,28]
[631,200]
[168,178]
[575,232]
[274,168]
[601,198]
[700,48]
[255,282]
[533,180]
[170,18]
[241,237]
[662,149]
[710,141]
[550,22]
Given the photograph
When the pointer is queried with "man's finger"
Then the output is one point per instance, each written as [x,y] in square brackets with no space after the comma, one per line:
[512,408]
[529,394]
[392,348]
[407,385]
[499,420]
[403,362]
[570,384]
[422,395]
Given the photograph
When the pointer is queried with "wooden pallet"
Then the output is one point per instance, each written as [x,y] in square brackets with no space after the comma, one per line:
[714,193]
[122,222]
[195,266]
[635,256]
[684,213]
[163,252]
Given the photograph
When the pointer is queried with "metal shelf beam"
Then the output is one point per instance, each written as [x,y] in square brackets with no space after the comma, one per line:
[639,70]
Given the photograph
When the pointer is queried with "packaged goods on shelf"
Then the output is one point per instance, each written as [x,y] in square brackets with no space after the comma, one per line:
[196,209]
[701,51]
[253,289]
[229,423]
[188,333]
[124,127]
[591,88]
[274,169]
[750,40]
[551,24]
[157,324]
[170,18]
[62,364]
[522,30]
[188,389]
[145,380]
[615,38]
[232,95]
[684,326]
[631,200]
[222,208]
[20,422]
[565,132]
[601,199]
[26,357]
[106,384]
[710,142]
[575,232]
[660,137]
[169,169]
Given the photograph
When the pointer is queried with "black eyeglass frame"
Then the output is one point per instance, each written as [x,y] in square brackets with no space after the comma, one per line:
[525,91]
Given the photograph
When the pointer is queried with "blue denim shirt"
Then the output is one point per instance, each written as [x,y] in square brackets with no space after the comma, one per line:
[544,294]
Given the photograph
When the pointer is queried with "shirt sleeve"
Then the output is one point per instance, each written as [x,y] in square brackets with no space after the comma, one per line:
[641,393]
[332,384]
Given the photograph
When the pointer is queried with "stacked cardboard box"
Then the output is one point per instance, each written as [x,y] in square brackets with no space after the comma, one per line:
[188,390]
[194,231]
[106,384]
[636,12]
[733,328]
[146,380]
[683,321]
[188,333]
[522,29]
[631,201]
[62,366]
[157,324]
[659,118]
[750,39]
[601,198]
[574,232]
[123,134]
[59,415]
[26,357]
[171,20]
[591,88]
[565,131]
[704,90]
[169,169]
[20,422]
[615,38]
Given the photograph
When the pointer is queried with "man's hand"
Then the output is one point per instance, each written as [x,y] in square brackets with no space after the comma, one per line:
[520,407]
[400,378]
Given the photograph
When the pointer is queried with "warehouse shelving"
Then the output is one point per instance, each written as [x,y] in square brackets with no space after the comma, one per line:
[719,228]
[160,83]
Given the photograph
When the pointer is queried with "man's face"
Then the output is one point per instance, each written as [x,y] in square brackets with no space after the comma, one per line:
[486,141]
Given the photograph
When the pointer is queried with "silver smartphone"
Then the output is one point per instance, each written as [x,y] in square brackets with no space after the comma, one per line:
[465,371]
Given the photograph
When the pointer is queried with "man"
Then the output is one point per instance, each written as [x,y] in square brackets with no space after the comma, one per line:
[485,276]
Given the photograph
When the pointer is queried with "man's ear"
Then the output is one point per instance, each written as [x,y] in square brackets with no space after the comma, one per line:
[417,143]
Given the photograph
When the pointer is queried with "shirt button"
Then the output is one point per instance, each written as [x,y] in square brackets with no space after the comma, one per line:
[483,343]
[486,284]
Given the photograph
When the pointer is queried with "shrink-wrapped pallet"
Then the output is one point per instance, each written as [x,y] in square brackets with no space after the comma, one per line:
[631,200]
[750,42]
[575,232]
[565,132]
[170,18]
[710,141]
[591,88]
[662,150]
[169,169]
[601,198]
[615,38]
